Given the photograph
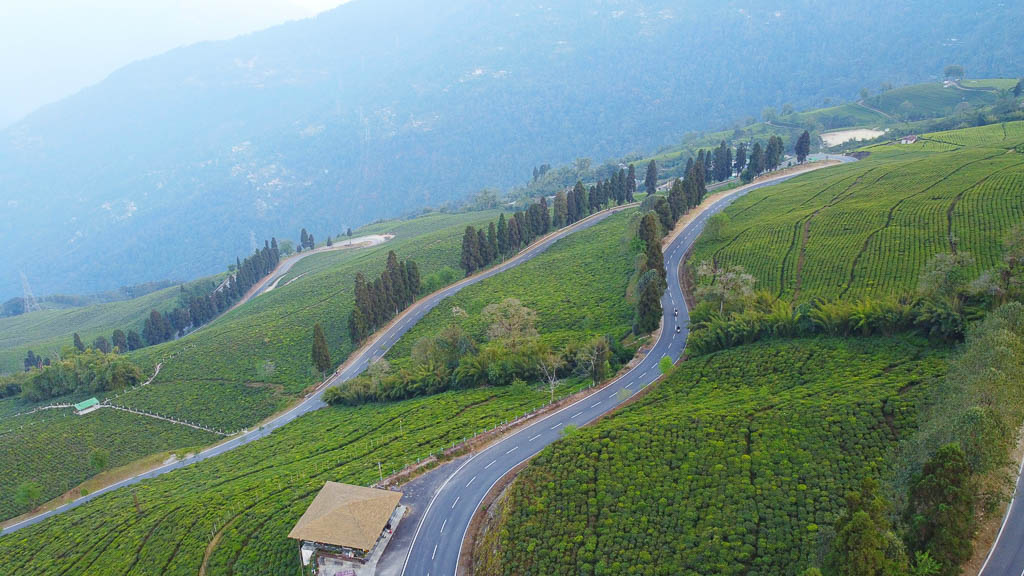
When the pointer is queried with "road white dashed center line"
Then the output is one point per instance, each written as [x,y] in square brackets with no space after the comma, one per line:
[576,414]
[456,502]
[534,438]
[512,450]
[470,481]
[489,465]
[445,523]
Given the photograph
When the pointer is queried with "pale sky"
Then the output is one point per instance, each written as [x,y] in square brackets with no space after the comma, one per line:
[50,49]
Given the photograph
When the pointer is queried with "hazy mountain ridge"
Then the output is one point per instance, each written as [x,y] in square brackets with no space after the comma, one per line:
[163,169]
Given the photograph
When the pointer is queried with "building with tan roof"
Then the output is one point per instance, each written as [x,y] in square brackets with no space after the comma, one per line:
[346,522]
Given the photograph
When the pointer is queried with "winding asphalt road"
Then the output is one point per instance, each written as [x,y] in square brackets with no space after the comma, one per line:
[352,368]
[670,344]
[439,535]
[1006,557]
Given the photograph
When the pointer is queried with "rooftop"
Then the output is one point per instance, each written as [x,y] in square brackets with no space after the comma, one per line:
[86,404]
[346,515]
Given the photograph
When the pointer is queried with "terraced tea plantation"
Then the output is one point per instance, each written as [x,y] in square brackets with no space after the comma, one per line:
[868,228]
[256,359]
[577,288]
[249,498]
[737,464]
[53,448]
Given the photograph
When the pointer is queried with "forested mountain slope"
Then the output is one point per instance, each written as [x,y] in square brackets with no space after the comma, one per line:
[377,107]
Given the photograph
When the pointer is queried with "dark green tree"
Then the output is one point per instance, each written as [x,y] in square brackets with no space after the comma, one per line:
[741,158]
[862,535]
[561,216]
[651,180]
[503,232]
[470,251]
[321,354]
[803,147]
[940,510]
[78,343]
[485,249]
[677,199]
[133,340]
[648,313]
[664,211]
[492,241]
[631,183]
[119,340]
[101,344]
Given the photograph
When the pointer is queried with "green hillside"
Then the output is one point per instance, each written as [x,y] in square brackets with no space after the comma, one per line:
[741,462]
[931,100]
[255,359]
[53,449]
[737,464]
[251,497]
[868,228]
[47,331]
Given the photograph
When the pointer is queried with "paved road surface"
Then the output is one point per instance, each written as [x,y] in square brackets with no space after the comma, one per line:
[360,360]
[356,364]
[1006,558]
[438,533]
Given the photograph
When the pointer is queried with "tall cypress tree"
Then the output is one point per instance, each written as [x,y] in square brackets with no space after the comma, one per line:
[503,234]
[561,217]
[484,249]
[470,251]
[651,181]
[803,147]
[78,343]
[631,183]
[321,354]
[492,241]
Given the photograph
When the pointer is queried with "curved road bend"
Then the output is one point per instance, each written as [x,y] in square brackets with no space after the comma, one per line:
[353,367]
[438,537]
[1006,557]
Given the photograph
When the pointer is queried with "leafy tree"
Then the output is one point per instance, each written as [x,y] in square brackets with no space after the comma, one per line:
[651,180]
[119,340]
[724,286]
[664,212]
[304,238]
[741,158]
[28,494]
[78,343]
[321,354]
[649,234]
[953,71]
[510,321]
[32,361]
[803,147]
[863,535]
[677,199]
[101,344]
[940,511]
[1018,89]
[98,459]
[133,340]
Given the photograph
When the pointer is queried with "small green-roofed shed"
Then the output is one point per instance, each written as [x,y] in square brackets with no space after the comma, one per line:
[85,404]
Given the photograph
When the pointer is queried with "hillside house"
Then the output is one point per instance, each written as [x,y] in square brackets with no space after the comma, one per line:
[345,528]
[86,406]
